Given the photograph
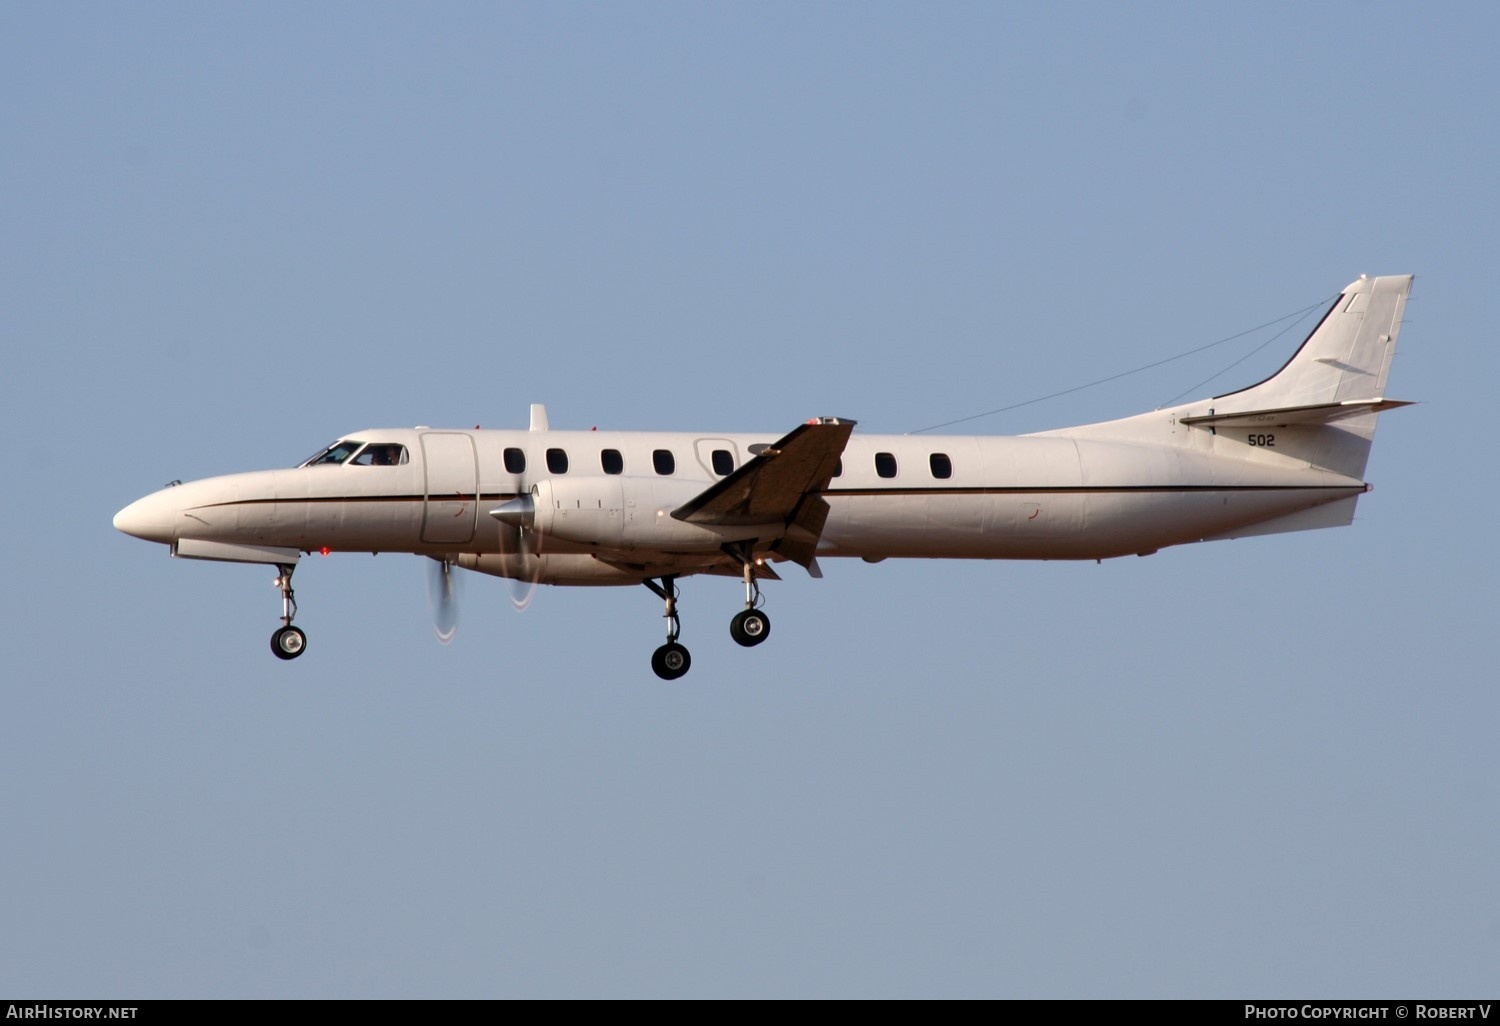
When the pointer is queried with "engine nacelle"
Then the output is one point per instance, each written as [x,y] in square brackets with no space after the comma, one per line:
[569,568]
[628,513]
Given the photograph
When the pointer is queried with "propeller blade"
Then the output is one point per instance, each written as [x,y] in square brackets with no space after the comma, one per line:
[528,567]
[442,593]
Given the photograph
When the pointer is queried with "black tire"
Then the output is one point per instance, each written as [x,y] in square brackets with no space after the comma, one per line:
[288,643]
[750,627]
[671,661]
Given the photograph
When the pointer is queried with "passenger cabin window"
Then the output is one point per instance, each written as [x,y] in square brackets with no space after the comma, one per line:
[381,455]
[885,464]
[723,462]
[515,461]
[942,466]
[664,462]
[612,461]
[335,454]
[557,461]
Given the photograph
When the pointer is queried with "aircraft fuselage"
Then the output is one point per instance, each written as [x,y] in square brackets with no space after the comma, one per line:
[1027,497]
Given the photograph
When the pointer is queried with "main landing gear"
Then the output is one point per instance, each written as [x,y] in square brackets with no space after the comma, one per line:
[749,627]
[288,642]
[671,660]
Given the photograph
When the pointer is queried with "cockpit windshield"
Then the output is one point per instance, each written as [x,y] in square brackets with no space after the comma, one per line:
[335,454]
[376,454]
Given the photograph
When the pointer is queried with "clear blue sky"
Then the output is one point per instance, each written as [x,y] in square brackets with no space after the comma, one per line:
[230,233]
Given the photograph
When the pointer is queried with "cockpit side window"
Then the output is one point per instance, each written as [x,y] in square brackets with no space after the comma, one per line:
[335,454]
[381,454]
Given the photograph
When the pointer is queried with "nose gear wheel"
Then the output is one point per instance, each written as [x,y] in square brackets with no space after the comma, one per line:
[288,642]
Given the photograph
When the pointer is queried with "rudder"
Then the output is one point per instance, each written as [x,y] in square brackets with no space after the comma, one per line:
[1346,358]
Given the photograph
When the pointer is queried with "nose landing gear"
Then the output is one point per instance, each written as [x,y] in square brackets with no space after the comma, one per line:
[288,642]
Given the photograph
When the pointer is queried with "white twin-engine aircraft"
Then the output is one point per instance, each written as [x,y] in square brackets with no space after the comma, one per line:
[616,507]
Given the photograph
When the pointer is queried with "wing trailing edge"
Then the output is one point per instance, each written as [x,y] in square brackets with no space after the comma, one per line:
[781,485]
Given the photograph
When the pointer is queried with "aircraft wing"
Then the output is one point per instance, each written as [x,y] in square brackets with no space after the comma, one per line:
[782,484]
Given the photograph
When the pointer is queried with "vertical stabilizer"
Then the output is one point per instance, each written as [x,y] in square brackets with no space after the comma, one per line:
[1322,406]
[1346,358]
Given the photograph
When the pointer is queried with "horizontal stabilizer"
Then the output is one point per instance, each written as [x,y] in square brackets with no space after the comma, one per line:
[1323,413]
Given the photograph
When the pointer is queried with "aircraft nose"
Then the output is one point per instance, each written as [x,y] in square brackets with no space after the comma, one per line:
[150,519]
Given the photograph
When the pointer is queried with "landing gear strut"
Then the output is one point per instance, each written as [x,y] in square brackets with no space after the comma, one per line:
[288,642]
[750,627]
[671,660]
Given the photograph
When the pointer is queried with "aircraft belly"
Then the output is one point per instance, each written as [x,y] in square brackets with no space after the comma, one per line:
[1142,498]
[1229,511]
[995,525]
[1076,523]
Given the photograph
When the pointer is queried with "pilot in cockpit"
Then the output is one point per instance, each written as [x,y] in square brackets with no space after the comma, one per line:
[381,456]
